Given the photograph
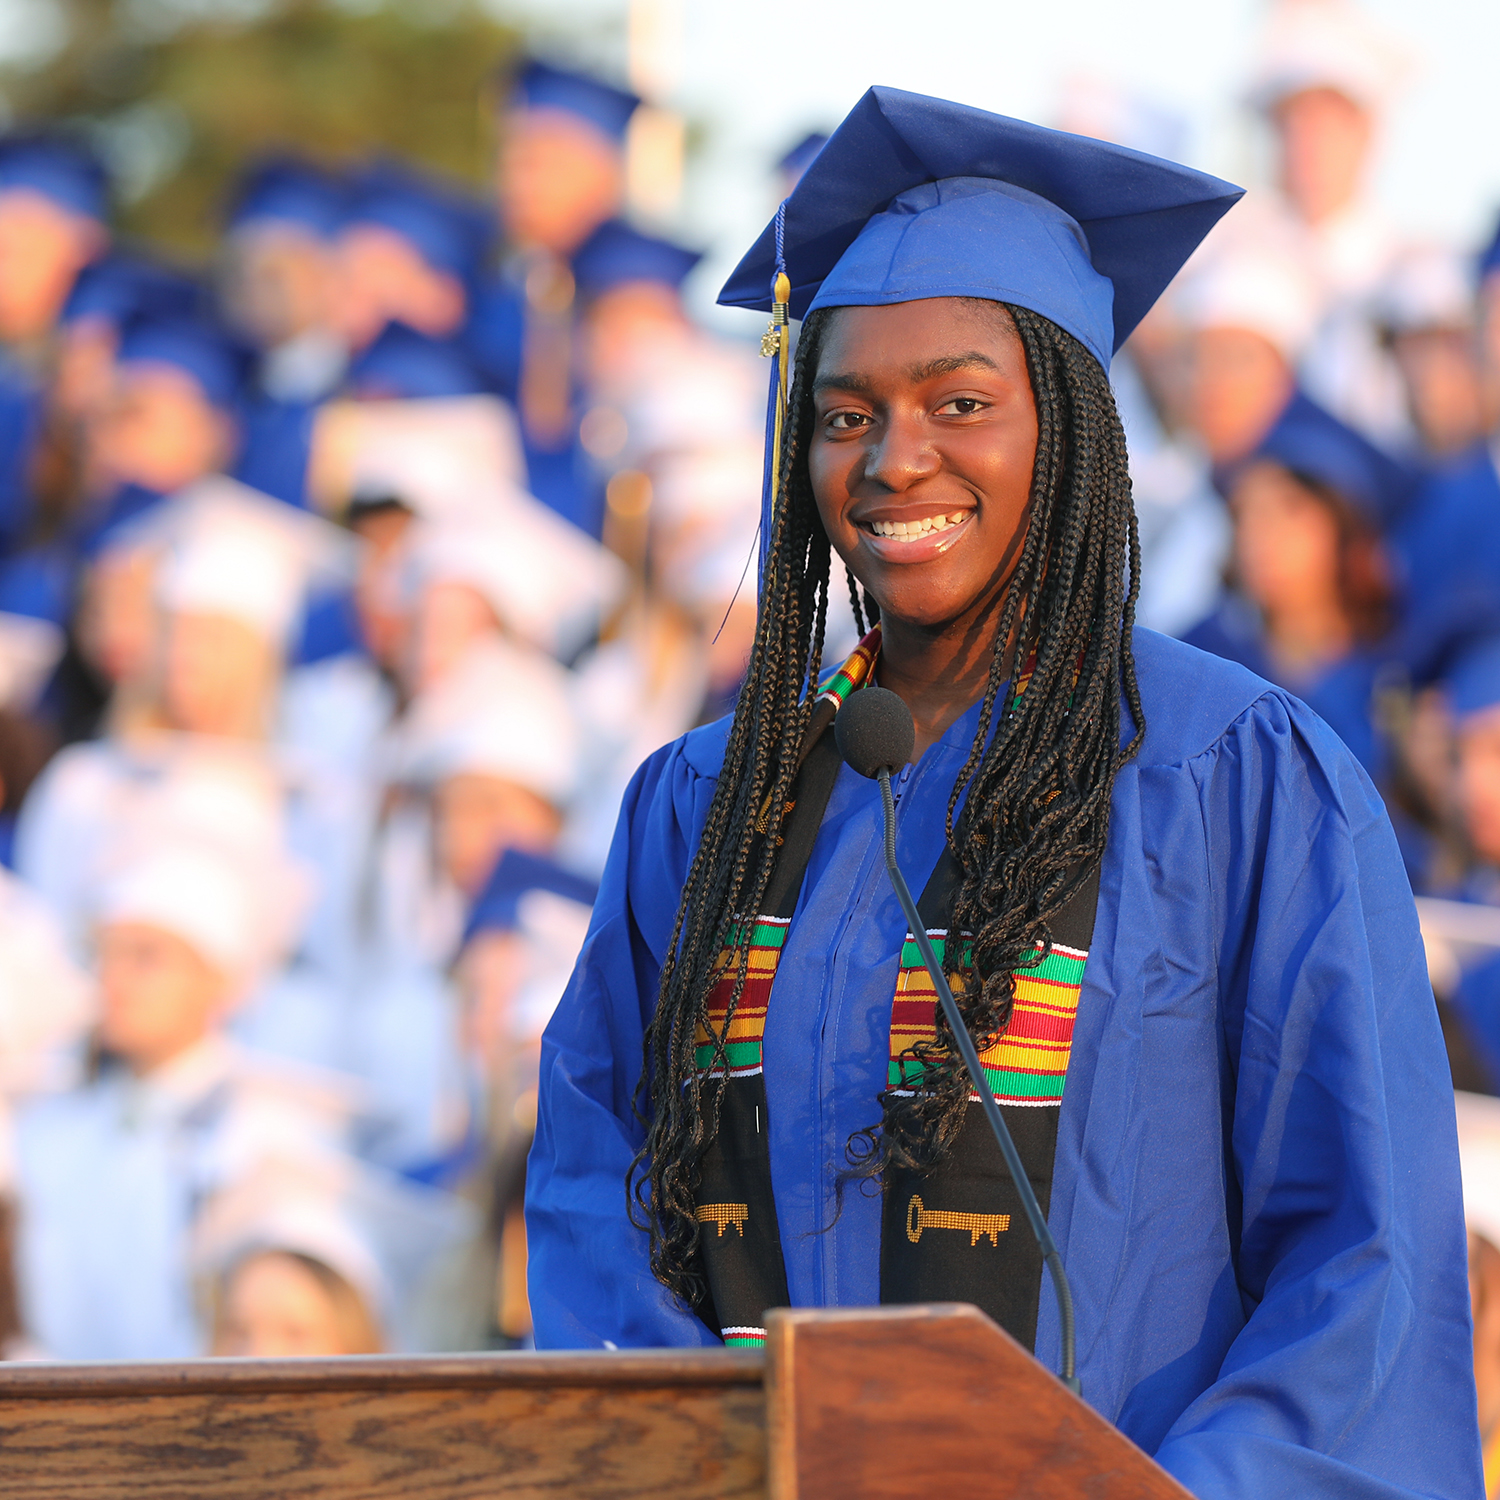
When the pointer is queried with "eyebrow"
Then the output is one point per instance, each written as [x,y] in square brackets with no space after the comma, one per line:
[948,364]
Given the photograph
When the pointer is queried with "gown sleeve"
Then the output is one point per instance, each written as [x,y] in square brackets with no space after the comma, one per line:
[589,1275]
[1352,1374]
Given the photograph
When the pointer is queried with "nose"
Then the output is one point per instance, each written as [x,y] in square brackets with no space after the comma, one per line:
[902,454]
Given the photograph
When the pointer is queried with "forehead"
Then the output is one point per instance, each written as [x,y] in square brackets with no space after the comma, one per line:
[910,335]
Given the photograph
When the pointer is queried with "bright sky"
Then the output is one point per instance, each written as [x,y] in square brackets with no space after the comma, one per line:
[748,95]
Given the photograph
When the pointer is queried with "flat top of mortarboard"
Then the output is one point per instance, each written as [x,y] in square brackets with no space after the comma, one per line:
[497,907]
[915,197]
[1489,257]
[615,254]
[404,364]
[1473,679]
[800,157]
[541,85]
[449,229]
[124,286]
[1314,444]
[289,189]
[58,165]
[219,362]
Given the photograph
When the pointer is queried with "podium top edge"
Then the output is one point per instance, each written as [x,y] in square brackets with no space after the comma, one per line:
[43,1380]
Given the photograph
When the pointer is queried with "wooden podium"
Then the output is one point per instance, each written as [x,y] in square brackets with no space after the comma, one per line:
[874,1404]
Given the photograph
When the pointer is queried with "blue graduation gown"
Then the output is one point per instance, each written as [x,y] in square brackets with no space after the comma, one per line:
[1256,1186]
[1340,694]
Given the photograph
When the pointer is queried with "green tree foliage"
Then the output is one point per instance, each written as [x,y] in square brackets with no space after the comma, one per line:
[182,92]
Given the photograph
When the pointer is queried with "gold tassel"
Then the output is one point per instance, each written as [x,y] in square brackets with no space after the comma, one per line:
[776,343]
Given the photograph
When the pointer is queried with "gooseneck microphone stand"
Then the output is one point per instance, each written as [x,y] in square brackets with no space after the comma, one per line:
[875,735]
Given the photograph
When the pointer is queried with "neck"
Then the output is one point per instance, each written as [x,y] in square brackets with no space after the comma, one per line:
[939,672]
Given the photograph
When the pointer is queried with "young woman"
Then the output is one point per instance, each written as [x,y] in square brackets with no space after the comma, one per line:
[1188,954]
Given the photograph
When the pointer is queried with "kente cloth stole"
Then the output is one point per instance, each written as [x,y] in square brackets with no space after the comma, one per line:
[957,1233]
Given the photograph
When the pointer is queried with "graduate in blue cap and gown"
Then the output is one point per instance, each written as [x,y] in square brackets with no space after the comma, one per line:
[1313,607]
[1447,540]
[560,176]
[1190,957]
[280,289]
[54,211]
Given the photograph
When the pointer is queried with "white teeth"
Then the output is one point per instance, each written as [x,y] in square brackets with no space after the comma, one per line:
[910,530]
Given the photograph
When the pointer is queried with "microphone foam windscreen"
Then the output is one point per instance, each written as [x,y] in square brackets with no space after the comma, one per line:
[874,732]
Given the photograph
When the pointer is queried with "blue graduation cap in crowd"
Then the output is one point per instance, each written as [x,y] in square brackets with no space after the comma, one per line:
[497,907]
[1473,679]
[38,583]
[616,254]
[217,362]
[449,231]
[121,288]
[60,168]
[1314,445]
[1489,257]
[800,157]
[407,365]
[915,197]
[288,190]
[539,85]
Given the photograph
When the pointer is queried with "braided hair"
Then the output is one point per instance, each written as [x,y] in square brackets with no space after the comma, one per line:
[1028,816]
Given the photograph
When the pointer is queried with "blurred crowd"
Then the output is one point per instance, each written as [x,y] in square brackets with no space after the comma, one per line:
[345,583]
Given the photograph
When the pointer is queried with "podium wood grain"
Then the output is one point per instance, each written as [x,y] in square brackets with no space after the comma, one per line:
[609,1427]
[892,1402]
[868,1405]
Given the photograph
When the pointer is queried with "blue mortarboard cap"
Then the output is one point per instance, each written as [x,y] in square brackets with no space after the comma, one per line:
[58,167]
[616,254]
[450,232]
[800,157]
[1314,444]
[407,365]
[541,86]
[497,907]
[1489,257]
[1473,680]
[38,583]
[915,197]
[216,361]
[287,190]
[120,288]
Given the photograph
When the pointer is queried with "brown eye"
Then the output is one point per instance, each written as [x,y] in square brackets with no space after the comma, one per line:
[844,421]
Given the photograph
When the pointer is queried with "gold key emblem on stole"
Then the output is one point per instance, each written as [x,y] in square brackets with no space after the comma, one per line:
[920,1217]
[724,1214]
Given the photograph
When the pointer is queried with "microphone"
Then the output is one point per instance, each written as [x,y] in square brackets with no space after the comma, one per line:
[876,736]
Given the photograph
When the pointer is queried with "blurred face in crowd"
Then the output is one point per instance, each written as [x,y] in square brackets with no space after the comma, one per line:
[450,618]
[275,1305]
[158,994]
[477,817]
[490,972]
[1325,142]
[559,178]
[159,429]
[1443,389]
[279,281]
[1286,543]
[1240,383]
[117,621]
[383,622]
[382,278]
[43,247]
[85,373]
[218,676]
[1484,1299]
[628,324]
[1479,782]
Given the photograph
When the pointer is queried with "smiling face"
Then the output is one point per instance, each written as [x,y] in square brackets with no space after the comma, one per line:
[921,454]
